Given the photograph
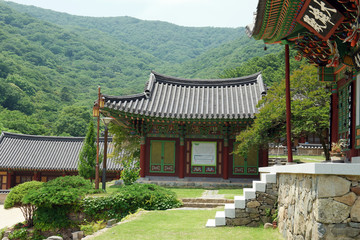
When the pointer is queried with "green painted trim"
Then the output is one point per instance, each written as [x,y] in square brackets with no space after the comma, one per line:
[343,109]
[245,166]
[163,135]
[162,164]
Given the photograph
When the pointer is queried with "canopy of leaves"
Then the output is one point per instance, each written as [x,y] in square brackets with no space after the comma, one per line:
[66,190]
[16,196]
[309,109]
[87,157]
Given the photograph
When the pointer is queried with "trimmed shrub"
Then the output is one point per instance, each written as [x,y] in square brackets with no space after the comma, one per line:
[16,199]
[56,199]
[128,200]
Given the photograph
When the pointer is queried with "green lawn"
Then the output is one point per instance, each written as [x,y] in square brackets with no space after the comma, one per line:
[182,224]
[186,192]
[304,158]
[231,193]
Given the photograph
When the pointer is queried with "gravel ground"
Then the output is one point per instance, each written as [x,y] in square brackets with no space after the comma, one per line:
[9,217]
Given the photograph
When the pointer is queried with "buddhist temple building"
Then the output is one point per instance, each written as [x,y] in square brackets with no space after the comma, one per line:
[25,158]
[326,34]
[188,126]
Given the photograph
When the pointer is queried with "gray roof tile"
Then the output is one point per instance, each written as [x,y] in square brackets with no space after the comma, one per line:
[30,152]
[171,97]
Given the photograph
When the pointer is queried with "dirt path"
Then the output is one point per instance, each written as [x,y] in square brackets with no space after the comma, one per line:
[9,217]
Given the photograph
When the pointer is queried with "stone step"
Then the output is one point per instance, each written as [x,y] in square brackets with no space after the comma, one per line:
[202,205]
[259,186]
[249,193]
[207,200]
[210,223]
[220,218]
[239,202]
[268,177]
[229,210]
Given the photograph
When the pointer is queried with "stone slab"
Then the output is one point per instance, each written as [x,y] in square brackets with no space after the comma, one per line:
[315,168]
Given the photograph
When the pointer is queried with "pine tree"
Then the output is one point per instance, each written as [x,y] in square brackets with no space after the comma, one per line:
[87,157]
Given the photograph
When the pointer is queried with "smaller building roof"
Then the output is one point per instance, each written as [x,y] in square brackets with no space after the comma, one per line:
[179,98]
[30,152]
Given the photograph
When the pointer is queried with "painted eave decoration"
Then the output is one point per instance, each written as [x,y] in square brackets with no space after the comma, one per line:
[320,17]
[326,33]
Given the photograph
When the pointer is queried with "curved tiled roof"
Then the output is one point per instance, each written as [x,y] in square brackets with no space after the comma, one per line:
[178,98]
[29,152]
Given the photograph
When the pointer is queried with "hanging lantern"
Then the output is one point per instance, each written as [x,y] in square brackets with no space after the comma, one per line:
[96,111]
[102,102]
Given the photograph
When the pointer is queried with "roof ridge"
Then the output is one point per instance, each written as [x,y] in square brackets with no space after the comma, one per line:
[217,82]
[51,138]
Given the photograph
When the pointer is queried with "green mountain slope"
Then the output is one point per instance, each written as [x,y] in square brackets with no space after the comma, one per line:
[166,41]
[50,70]
[213,62]
[45,68]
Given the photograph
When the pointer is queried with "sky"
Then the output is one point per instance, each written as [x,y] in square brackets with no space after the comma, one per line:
[192,13]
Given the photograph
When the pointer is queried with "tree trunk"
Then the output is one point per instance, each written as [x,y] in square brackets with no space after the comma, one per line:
[325,146]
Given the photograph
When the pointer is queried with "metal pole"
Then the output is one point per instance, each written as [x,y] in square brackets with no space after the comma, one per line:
[288,103]
[97,145]
[105,158]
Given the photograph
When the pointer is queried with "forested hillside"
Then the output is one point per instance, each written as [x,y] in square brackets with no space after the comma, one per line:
[169,42]
[51,63]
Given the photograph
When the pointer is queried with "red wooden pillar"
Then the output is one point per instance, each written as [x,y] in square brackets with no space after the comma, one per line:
[226,159]
[9,178]
[181,157]
[288,102]
[353,150]
[142,157]
[264,155]
[334,125]
[36,176]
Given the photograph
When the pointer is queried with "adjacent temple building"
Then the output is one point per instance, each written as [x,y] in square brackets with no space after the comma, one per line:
[188,127]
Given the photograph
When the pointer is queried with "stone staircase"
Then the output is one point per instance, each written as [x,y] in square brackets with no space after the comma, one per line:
[249,209]
[205,202]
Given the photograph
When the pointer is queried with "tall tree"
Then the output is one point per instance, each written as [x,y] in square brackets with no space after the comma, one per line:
[87,157]
[127,150]
[309,108]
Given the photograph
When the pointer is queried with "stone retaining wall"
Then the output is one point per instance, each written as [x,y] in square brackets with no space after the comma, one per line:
[319,206]
[257,211]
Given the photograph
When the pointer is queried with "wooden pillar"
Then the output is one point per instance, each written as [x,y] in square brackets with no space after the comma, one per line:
[334,122]
[264,156]
[353,150]
[9,179]
[288,102]
[142,156]
[36,176]
[181,157]
[226,158]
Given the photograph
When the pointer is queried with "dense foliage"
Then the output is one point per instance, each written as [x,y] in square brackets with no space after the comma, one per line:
[272,67]
[56,199]
[51,63]
[309,109]
[128,200]
[127,150]
[87,156]
[16,199]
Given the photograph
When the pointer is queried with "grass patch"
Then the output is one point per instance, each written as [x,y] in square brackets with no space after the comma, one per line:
[231,193]
[297,158]
[182,224]
[187,192]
